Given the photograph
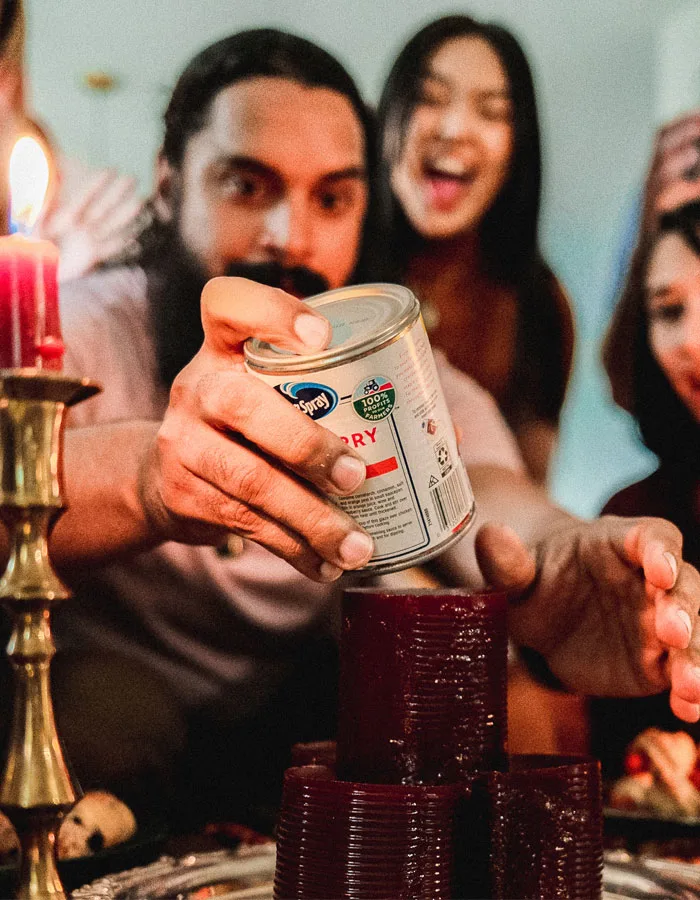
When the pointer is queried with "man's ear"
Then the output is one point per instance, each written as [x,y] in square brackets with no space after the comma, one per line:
[164,194]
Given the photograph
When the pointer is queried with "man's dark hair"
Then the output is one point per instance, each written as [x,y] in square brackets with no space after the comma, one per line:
[264,52]
[175,277]
[268,52]
[639,385]
[508,231]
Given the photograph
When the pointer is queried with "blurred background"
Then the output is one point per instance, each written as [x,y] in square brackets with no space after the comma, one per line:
[608,72]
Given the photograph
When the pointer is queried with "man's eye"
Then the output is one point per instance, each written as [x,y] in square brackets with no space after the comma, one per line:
[334,201]
[245,187]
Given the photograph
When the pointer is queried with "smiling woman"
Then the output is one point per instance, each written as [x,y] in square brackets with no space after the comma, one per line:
[652,355]
[460,140]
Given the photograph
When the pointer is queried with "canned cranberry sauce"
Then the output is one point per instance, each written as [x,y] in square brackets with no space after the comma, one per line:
[377,388]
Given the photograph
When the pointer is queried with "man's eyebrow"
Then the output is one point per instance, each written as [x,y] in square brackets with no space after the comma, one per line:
[357,172]
[249,163]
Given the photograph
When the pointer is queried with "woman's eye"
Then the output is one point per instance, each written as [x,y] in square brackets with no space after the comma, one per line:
[431,96]
[497,110]
[669,313]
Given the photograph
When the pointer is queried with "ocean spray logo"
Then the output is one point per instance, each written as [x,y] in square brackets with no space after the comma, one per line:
[314,400]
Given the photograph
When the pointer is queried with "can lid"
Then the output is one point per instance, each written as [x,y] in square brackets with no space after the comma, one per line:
[363,318]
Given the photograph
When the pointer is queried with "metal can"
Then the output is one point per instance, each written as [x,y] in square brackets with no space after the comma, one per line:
[376,386]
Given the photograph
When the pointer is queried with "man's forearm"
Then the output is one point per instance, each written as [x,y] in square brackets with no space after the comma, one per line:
[511,499]
[515,500]
[105,517]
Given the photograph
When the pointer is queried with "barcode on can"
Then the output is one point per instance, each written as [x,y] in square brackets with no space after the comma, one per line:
[450,500]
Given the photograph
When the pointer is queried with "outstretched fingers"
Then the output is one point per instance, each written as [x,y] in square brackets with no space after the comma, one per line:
[656,546]
[685,663]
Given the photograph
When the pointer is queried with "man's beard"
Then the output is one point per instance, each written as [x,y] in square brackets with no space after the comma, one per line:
[175,283]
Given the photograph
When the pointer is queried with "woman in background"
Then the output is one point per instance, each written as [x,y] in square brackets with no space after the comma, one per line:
[652,356]
[461,174]
[462,171]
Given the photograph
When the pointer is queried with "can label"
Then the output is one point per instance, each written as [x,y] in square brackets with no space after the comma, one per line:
[388,405]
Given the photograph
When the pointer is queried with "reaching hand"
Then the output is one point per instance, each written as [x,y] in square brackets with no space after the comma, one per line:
[610,605]
[95,225]
[674,176]
[232,455]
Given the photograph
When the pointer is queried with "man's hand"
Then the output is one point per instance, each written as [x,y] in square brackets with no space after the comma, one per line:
[610,605]
[233,456]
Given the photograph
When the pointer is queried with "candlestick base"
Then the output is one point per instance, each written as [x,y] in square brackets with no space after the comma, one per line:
[36,788]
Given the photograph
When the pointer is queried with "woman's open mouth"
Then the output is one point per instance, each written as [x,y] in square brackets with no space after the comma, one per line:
[447,180]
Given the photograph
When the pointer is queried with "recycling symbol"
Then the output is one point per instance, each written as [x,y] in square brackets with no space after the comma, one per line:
[433,481]
[443,456]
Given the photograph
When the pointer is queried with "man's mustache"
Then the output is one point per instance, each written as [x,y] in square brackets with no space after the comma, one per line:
[297,280]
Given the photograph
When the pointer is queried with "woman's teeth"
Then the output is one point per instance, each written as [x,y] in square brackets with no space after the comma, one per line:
[447,168]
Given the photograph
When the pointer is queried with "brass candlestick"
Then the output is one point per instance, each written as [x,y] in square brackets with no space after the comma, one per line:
[36,788]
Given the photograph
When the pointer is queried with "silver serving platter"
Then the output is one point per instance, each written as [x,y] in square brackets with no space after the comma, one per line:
[625,877]
[253,866]
[630,877]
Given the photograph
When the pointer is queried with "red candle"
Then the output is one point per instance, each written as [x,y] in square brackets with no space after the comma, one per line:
[30,332]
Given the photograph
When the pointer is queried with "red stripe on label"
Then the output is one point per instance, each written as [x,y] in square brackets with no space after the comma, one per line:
[386,386]
[382,467]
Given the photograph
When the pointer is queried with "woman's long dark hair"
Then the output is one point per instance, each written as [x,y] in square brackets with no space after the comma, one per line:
[508,231]
[639,385]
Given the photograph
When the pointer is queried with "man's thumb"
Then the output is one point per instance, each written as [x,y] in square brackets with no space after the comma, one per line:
[504,560]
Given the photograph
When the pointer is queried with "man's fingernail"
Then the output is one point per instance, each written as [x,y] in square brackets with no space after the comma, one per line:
[356,548]
[329,572]
[685,619]
[673,564]
[312,330]
[348,473]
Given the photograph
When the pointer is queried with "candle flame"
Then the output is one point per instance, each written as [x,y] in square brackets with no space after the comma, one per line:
[29,181]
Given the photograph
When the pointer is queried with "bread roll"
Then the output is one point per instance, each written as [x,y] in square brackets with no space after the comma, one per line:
[97,821]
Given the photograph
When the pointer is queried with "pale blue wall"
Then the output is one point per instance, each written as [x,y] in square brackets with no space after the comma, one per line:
[595,68]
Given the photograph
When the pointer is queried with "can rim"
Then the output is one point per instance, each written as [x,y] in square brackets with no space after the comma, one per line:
[258,355]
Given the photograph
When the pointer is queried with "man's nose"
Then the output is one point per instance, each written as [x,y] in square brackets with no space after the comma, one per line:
[287,232]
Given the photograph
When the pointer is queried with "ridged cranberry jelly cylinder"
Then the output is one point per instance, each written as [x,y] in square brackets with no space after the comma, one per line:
[422,685]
